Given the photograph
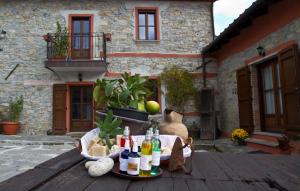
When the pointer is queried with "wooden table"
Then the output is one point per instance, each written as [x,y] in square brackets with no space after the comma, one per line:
[212,171]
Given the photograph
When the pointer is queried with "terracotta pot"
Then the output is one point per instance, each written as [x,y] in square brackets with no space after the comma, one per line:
[10,128]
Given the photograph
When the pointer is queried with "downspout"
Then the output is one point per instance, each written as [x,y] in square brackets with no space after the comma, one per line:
[212,20]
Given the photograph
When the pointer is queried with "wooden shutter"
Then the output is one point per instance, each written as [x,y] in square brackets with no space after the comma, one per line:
[59,108]
[290,81]
[244,91]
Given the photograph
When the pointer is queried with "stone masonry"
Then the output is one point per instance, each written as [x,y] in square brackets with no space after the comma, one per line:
[227,83]
[185,28]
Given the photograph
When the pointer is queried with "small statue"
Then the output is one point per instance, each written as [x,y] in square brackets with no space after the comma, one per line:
[177,161]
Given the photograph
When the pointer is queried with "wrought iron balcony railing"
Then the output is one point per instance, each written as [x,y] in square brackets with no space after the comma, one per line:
[90,46]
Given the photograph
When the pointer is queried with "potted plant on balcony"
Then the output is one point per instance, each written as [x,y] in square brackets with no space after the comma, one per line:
[11,124]
[60,43]
[125,96]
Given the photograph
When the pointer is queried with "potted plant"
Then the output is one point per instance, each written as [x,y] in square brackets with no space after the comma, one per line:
[238,136]
[11,124]
[60,43]
[125,96]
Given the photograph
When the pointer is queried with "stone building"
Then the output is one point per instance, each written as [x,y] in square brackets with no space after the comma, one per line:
[140,37]
[258,70]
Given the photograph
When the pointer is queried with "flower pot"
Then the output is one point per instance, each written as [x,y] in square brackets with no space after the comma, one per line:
[130,113]
[10,128]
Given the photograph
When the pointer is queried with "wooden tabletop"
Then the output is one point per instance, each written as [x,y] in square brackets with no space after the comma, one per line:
[211,171]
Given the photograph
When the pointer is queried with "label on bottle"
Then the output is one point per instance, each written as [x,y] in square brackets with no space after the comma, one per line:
[123,164]
[146,162]
[155,158]
[133,166]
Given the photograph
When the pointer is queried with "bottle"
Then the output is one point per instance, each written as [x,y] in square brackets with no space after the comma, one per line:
[123,159]
[151,132]
[146,156]
[134,160]
[125,137]
[156,147]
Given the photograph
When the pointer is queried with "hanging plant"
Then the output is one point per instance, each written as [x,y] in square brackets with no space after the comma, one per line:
[179,86]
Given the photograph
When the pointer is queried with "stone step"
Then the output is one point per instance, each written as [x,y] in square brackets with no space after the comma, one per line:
[265,146]
[267,136]
[76,135]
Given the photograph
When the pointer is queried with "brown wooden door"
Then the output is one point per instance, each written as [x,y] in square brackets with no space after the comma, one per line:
[271,96]
[245,99]
[290,79]
[59,108]
[81,37]
[81,108]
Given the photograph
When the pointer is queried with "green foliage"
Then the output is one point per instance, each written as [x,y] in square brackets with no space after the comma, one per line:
[123,93]
[109,128]
[179,86]
[60,41]
[15,108]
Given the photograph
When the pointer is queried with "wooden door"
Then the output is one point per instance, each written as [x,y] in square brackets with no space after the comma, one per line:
[271,96]
[81,37]
[81,108]
[290,79]
[59,108]
[245,99]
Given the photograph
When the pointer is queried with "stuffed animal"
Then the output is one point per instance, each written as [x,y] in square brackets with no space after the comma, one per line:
[173,125]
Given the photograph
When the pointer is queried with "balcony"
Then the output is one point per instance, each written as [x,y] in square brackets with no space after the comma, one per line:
[76,52]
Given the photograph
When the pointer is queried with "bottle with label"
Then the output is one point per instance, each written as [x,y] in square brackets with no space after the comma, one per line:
[125,137]
[146,156]
[156,148]
[134,160]
[123,159]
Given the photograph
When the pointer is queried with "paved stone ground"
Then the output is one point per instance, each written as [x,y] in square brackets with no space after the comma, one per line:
[21,153]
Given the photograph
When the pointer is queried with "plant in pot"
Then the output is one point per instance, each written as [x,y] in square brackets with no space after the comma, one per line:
[60,43]
[11,124]
[125,96]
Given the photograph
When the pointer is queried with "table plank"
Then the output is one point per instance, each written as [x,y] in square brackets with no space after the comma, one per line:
[74,179]
[42,173]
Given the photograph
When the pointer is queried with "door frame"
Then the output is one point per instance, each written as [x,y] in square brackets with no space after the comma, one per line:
[70,25]
[68,101]
[261,65]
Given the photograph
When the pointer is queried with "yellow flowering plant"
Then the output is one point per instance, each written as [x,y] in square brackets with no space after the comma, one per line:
[239,135]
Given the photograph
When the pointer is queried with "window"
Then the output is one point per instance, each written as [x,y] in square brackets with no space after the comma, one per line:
[147,24]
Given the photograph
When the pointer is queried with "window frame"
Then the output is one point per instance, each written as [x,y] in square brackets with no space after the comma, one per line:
[156,23]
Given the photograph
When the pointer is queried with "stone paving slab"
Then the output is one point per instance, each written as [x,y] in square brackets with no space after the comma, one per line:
[36,140]
[17,158]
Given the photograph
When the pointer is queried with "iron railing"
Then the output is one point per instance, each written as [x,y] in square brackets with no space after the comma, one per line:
[90,46]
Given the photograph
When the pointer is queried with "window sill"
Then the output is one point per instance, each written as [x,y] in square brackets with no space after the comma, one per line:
[146,41]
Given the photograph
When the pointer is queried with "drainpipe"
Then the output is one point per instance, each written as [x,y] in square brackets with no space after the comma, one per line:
[212,20]
[203,70]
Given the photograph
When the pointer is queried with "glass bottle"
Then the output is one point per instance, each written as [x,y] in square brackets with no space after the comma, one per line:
[146,156]
[156,149]
[123,159]
[134,160]
[125,137]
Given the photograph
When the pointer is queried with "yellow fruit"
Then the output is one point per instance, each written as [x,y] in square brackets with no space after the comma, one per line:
[152,107]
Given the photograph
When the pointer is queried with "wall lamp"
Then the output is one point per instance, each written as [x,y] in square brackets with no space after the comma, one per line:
[261,50]
[2,34]
[80,77]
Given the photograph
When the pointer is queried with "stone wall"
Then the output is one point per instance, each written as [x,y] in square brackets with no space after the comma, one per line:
[227,83]
[185,28]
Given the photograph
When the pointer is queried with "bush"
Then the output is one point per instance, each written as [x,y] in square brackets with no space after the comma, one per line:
[179,86]
[15,109]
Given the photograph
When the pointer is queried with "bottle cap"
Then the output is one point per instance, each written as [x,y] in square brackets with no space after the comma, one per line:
[135,147]
[126,131]
[148,135]
[127,146]
[156,133]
